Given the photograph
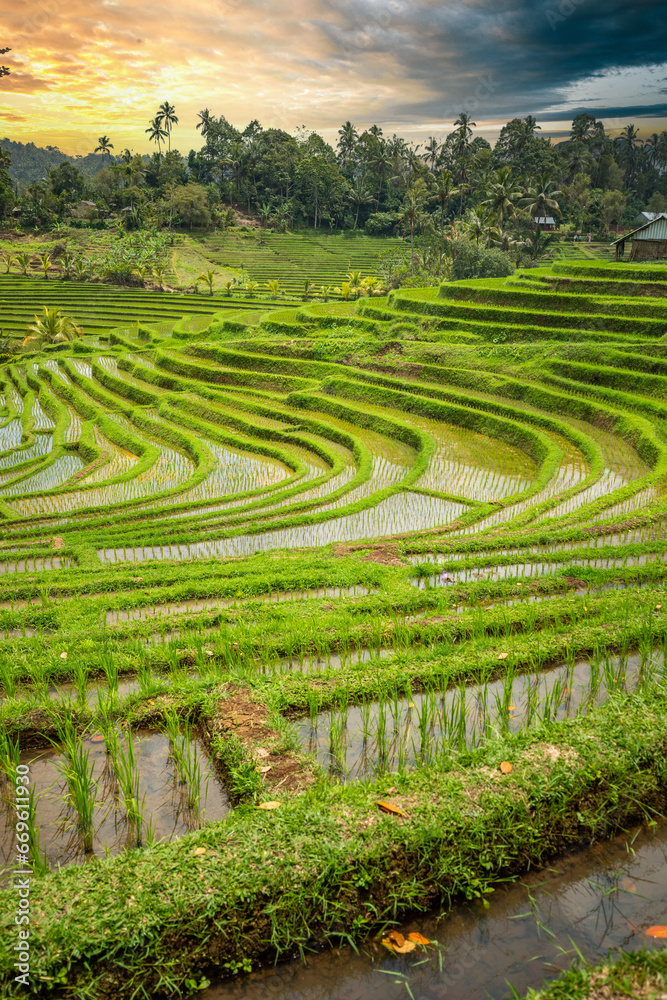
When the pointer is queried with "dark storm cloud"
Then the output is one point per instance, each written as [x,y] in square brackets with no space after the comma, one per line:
[497,57]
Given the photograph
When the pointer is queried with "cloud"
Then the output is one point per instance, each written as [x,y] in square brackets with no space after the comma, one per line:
[89,65]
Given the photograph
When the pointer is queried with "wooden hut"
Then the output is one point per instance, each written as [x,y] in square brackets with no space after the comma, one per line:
[649,242]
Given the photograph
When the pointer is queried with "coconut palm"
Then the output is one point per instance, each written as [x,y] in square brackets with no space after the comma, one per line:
[9,259]
[159,273]
[503,194]
[206,119]
[273,286]
[463,127]
[628,144]
[431,152]
[347,142]
[155,132]
[23,260]
[445,190]
[45,263]
[53,327]
[166,116]
[104,146]
[208,277]
[359,195]
[541,198]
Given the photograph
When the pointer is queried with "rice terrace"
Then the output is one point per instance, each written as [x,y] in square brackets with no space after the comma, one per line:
[332,601]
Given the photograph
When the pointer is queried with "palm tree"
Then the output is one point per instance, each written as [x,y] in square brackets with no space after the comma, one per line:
[432,152]
[166,116]
[628,143]
[23,261]
[104,146]
[359,195]
[45,263]
[206,119]
[463,127]
[9,259]
[504,192]
[412,207]
[445,190]
[54,327]
[348,140]
[583,128]
[541,197]
[273,286]
[156,133]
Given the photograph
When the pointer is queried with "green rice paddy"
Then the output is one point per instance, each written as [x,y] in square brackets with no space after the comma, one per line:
[289,563]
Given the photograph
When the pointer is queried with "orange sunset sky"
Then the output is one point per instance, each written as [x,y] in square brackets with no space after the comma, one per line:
[83,68]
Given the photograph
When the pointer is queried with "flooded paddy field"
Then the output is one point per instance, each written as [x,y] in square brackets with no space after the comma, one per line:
[309,631]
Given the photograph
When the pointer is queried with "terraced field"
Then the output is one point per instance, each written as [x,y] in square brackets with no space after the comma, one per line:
[332,613]
[291,258]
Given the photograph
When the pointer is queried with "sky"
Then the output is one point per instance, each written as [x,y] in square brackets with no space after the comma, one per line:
[84,68]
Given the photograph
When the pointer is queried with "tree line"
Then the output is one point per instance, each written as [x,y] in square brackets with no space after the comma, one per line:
[367,180]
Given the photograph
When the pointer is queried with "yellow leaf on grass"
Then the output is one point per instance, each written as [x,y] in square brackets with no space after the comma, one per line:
[505,767]
[63,656]
[390,791]
[387,807]
[658,931]
[511,708]
[395,938]
[418,938]
[658,607]
[268,805]
[503,656]
[198,851]
[405,948]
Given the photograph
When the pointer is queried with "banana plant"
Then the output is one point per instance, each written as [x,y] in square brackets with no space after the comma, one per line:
[67,265]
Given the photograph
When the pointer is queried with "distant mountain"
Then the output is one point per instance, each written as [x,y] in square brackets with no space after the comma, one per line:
[30,162]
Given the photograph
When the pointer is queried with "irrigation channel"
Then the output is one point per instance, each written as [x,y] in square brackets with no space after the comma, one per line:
[318,617]
[588,904]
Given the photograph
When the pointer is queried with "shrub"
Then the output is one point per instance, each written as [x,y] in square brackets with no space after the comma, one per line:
[473,261]
[381,223]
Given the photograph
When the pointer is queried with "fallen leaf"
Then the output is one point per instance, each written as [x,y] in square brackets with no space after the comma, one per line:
[390,791]
[209,652]
[263,770]
[505,767]
[585,608]
[511,708]
[503,656]
[396,939]
[405,948]
[628,885]
[198,851]
[268,805]
[418,938]
[63,656]
[150,701]
[260,752]
[657,931]
[387,807]
[658,607]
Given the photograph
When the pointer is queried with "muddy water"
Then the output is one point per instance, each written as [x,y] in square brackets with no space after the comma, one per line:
[599,900]
[195,605]
[165,802]
[387,736]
